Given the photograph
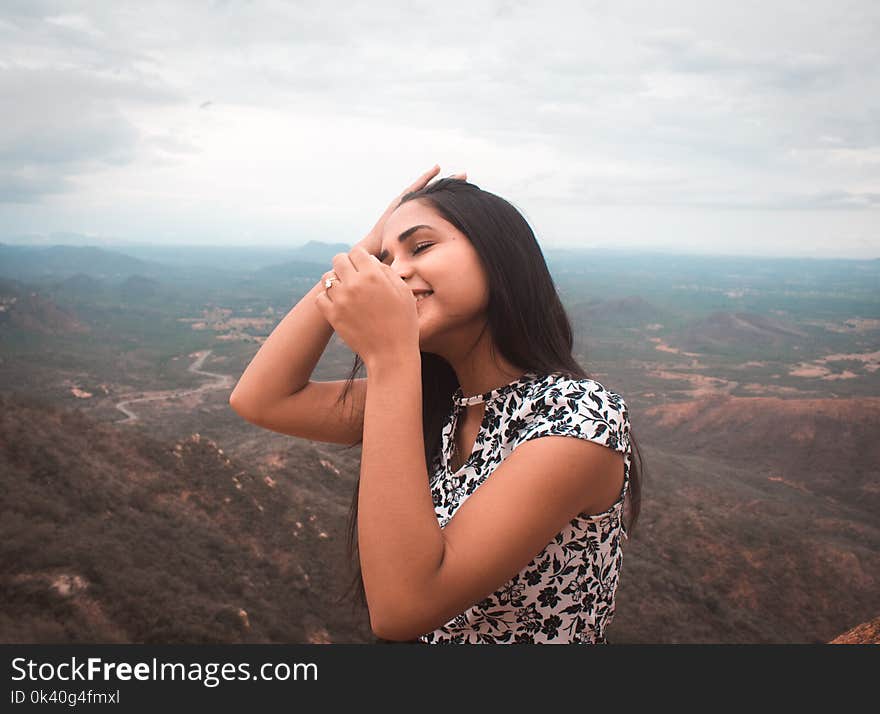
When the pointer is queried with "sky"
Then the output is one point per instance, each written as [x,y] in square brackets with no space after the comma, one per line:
[736,128]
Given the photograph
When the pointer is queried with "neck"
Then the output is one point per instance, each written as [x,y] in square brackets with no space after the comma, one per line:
[481,369]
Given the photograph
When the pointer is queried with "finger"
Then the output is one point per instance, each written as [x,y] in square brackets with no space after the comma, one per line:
[433,171]
[394,279]
[462,176]
[330,274]
[343,266]
[422,180]
[324,303]
[362,259]
[333,286]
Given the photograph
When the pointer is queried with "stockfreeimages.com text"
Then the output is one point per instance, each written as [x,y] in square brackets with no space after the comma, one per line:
[94,668]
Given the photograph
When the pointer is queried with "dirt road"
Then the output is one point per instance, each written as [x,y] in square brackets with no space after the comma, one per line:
[218,381]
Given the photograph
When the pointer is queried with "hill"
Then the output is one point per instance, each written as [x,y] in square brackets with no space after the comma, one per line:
[30,310]
[751,331]
[618,312]
[821,447]
[111,536]
[759,522]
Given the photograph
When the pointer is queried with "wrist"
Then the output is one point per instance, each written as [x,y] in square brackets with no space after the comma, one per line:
[392,360]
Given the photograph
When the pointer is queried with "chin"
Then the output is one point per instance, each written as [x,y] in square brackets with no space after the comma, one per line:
[425,341]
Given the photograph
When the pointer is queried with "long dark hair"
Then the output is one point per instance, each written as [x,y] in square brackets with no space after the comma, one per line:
[526,319]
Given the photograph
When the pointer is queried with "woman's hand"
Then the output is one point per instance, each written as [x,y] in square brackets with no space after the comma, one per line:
[370,307]
[372,243]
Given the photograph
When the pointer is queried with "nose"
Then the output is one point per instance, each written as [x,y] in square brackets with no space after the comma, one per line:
[403,269]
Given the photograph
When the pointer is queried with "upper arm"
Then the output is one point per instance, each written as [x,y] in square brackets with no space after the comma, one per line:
[511,517]
[315,412]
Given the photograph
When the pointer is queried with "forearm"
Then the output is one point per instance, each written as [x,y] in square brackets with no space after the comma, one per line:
[400,541]
[285,361]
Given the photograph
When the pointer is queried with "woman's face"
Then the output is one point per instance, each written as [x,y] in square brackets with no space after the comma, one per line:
[439,258]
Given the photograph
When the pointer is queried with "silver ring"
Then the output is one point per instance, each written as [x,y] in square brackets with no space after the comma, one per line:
[328,283]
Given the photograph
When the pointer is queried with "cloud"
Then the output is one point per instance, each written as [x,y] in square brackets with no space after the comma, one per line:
[76,23]
[66,121]
[18,188]
[769,70]
[238,107]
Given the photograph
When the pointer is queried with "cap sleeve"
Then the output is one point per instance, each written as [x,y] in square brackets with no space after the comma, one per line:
[582,408]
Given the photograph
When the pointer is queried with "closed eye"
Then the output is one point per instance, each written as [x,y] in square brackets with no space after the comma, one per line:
[418,249]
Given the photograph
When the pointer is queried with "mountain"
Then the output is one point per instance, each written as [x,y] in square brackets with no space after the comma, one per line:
[32,263]
[317,252]
[133,539]
[238,258]
[52,266]
[137,287]
[721,330]
[824,448]
[284,272]
[79,287]
[758,525]
[629,311]
[27,309]
[308,261]
[107,535]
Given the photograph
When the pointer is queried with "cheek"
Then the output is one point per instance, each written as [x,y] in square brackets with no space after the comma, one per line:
[463,273]
[473,298]
[457,302]
[460,287]
[472,287]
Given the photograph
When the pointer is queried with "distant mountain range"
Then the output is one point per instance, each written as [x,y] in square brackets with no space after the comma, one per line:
[620,312]
[23,261]
[29,263]
[57,265]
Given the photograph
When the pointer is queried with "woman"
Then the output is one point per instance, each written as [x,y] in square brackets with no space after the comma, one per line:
[477,521]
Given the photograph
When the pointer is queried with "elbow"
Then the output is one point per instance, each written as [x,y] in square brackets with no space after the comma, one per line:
[397,626]
[379,631]
[403,614]
[381,628]
[239,408]
[393,631]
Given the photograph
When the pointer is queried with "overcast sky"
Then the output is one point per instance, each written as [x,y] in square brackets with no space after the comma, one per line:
[709,127]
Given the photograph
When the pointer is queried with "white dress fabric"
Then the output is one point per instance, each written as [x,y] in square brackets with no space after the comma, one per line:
[565,595]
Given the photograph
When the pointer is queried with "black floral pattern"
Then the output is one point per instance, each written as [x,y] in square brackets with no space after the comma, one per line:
[566,594]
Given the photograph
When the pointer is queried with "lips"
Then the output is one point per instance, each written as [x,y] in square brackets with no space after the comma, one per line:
[421,296]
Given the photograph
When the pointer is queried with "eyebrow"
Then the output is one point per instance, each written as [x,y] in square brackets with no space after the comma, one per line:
[402,237]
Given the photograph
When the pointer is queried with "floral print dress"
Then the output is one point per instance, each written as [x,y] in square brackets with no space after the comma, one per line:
[565,595]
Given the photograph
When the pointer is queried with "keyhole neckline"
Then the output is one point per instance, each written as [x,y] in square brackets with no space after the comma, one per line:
[461,401]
